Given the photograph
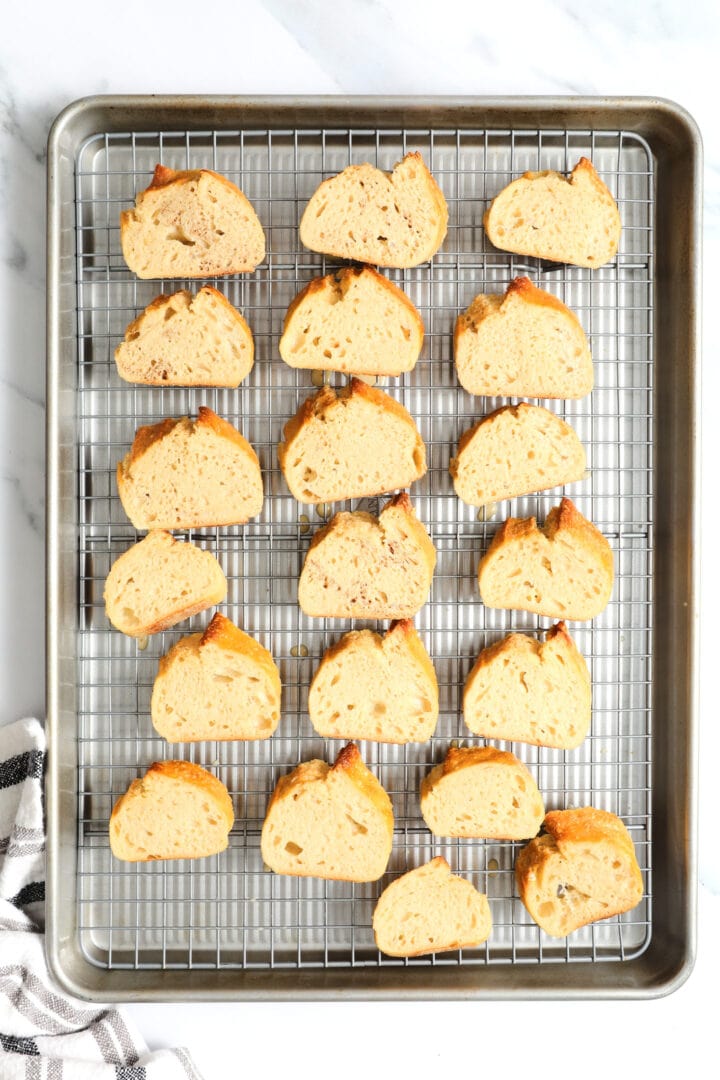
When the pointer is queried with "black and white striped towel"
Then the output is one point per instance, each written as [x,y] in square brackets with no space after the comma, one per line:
[44,1034]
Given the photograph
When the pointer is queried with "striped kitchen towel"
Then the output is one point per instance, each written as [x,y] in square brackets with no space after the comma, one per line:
[44,1034]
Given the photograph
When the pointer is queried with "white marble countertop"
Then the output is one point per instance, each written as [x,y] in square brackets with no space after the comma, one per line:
[52,54]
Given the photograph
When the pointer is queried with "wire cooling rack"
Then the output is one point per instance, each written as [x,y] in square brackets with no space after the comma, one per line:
[228,911]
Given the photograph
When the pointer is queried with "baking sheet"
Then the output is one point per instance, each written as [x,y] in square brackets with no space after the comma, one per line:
[229,915]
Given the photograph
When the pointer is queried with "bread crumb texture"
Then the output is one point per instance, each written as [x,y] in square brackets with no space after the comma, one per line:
[189,224]
[514,451]
[178,810]
[160,581]
[430,910]
[352,444]
[185,474]
[221,684]
[544,214]
[525,343]
[333,822]
[386,219]
[356,321]
[563,570]
[583,868]
[481,792]
[360,566]
[525,690]
[187,340]
[373,687]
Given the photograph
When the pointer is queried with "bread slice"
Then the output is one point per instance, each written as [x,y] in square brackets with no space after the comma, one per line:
[373,687]
[188,224]
[186,474]
[515,450]
[218,685]
[159,582]
[358,442]
[563,570]
[360,566]
[524,690]
[355,321]
[582,869]
[483,792]
[430,910]
[186,340]
[329,822]
[573,220]
[176,811]
[526,343]
[387,219]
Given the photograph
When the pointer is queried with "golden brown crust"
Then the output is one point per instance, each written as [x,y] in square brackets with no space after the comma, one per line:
[148,435]
[398,917]
[326,398]
[401,640]
[350,763]
[340,282]
[135,329]
[433,192]
[164,178]
[463,758]
[584,175]
[164,538]
[186,772]
[550,862]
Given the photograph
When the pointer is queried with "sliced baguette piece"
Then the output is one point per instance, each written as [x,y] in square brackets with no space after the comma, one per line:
[329,822]
[524,690]
[188,224]
[360,566]
[482,792]
[387,219]
[186,474]
[355,321]
[543,214]
[221,684]
[581,869]
[187,340]
[430,910]
[373,687]
[358,442]
[515,450]
[159,582]
[177,810]
[563,570]
[526,343]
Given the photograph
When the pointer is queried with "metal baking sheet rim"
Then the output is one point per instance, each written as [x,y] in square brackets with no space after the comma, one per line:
[668,960]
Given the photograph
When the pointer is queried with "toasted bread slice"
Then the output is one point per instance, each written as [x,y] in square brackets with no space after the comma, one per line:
[186,340]
[526,343]
[524,690]
[387,219]
[329,822]
[484,792]
[360,566]
[581,869]
[176,811]
[563,570]
[573,220]
[355,321]
[515,450]
[373,687]
[218,685]
[358,442]
[186,474]
[188,224]
[430,910]
[159,582]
